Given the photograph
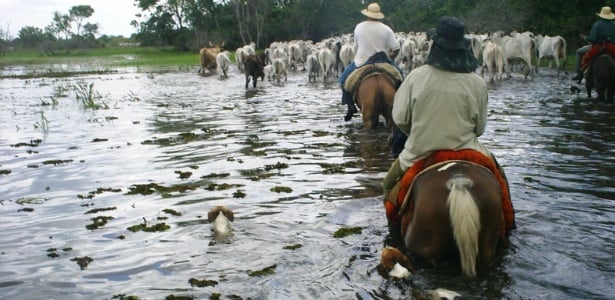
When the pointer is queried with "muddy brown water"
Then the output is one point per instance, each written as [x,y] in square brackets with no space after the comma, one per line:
[281,157]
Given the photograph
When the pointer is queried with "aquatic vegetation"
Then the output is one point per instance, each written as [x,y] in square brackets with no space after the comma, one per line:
[98,222]
[32,143]
[183,175]
[239,194]
[293,247]
[346,231]
[150,188]
[26,209]
[5,172]
[202,283]
[56,162]
[153,228]
[172,212]
[87,95]
[96,210]
[216,175]
[83,262]
[53,252]
[281,189]
[263,272]
[332,168]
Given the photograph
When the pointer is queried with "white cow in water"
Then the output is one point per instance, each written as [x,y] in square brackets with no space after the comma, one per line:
[493,61]
[313,66]
[516,48]
[223,62]
[347,53]
[552,47]
[326,58]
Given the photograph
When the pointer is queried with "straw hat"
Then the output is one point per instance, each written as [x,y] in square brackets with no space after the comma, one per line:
[373,11]
[606,13]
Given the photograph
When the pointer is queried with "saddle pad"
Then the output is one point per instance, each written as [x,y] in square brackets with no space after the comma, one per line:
[354,79]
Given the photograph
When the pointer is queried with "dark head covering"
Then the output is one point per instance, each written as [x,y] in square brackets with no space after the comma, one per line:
[450,49]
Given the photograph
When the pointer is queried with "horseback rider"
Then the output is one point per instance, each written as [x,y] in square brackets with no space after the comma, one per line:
[440,105]
[603,31]
[375,42]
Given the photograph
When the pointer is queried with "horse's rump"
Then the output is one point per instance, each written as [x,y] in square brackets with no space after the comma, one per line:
[596,50]
[397,205]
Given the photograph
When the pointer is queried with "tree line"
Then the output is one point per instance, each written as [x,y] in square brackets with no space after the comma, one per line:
[188,25]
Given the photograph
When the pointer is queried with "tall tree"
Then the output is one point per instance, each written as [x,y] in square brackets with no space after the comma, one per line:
[78,14]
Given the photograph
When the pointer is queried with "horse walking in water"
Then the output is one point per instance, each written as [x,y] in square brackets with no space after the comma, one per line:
[375,98]
[601,76]
[452,210]
[374,87]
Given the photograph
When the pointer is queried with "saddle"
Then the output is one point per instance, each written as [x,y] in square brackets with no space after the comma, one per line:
[397,202]
[357,76]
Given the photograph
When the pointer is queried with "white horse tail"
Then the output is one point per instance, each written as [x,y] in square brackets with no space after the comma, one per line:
[465,220]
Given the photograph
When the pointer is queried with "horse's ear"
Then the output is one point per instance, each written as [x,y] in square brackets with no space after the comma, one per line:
[210,44]
[222,45]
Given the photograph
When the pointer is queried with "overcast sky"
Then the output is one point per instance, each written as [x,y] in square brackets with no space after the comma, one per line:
[113,16]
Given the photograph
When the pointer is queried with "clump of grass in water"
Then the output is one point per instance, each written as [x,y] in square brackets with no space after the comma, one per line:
[342,232]
[87,95]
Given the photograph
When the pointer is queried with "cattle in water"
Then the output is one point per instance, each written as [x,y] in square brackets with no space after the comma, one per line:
[254,65]
[493,61]
[223,62]
[207,57]
[552,47]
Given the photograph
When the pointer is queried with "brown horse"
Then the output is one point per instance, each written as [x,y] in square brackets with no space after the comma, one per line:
[456,213]
[375,98]
[601,76]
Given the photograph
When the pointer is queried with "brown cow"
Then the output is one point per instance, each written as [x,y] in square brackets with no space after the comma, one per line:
[207,58]
[254,65]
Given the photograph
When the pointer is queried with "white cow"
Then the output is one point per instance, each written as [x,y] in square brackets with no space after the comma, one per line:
[279,69]
[313,66]
[223,62]
[347,53]
[552,47]
[326,58]
[493,61]
[515,49]
[268,70]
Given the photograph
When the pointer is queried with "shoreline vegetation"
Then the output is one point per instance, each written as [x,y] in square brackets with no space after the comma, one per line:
[101,60]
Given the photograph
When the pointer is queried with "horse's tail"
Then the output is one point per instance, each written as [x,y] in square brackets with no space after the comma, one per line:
[465,220]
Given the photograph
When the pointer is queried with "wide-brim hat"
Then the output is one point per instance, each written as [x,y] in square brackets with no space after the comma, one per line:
[449,33]
[450,50]
[373,11]
[606,13]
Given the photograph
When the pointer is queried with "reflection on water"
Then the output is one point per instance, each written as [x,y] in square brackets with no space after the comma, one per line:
[293,172]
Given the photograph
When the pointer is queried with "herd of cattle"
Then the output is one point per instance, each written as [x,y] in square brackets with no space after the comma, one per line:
[497,52]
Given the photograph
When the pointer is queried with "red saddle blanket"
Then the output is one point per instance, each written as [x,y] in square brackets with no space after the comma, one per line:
[393,212]
[595,50]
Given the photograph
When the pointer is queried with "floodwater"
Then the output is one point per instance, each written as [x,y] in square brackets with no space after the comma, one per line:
[171,145]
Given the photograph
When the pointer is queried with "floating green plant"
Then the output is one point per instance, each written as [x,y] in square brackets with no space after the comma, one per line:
[216,175]
[172,212]
[96,210]
[153,228]
[281,189]
[343,232]
[32,143]
[83,262]
[98,222]
[56,162]
[150,188]
[264,272]
[183,175]
[202,283]
[239,194]
[5,172]
[332,168]
[293,247]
